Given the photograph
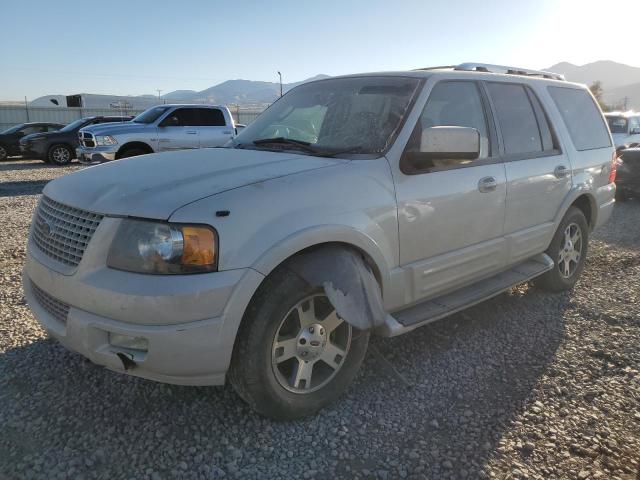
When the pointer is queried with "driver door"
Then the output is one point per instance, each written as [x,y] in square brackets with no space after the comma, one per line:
[451,212]
[179,130]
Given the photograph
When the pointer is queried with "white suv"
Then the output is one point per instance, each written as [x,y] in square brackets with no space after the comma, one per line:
[357,205]
[625,128]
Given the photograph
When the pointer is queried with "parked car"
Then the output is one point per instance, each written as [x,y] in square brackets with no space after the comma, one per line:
[10,138]
[625,129]
[158,129]
[59,147]
[628,175]
[356,205]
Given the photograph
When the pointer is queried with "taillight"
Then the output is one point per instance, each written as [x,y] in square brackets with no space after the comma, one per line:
[614,168]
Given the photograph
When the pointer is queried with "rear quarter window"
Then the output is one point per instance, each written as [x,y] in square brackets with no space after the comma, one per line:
[582,117]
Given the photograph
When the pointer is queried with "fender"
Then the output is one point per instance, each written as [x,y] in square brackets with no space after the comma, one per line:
[577,191]
[325,234]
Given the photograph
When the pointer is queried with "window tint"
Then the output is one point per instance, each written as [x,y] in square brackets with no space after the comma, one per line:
[211,117]
[582,117]
[187,117]
[520,133]
[33,129]
[548,140]
[53,128]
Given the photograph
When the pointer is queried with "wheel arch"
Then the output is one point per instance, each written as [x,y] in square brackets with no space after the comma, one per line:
[583,200]
[327,236]
[134,144]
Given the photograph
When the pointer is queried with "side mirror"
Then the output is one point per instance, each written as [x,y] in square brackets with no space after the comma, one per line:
[171,121]
[457,144]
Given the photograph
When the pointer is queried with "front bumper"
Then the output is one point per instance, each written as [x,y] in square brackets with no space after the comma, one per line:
[37,150]
[189,321]
[96,155]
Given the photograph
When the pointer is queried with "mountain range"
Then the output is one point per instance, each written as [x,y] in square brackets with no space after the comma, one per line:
[620,82]
[239,92]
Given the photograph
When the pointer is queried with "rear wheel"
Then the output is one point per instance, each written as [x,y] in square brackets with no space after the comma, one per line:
[3,153]
[294,354]
[60,154]
[568,249]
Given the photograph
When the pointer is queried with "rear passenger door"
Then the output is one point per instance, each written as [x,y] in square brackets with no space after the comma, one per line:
[538,172]
[213,128]
[451,213]
[179,130]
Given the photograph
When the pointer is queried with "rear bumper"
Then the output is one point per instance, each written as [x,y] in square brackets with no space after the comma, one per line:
[606,198]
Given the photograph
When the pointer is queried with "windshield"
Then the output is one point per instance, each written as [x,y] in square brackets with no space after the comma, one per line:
[360,114]
[151,115]
[73,126]
[617,124]
[12,129]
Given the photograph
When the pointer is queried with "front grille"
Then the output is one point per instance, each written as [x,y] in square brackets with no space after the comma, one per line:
[63,232]
[86,139]
[57,309]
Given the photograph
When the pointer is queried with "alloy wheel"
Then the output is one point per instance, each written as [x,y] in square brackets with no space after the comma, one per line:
[61,155]
[570,250]
[310,345]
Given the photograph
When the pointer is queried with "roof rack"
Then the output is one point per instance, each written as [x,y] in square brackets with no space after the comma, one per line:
[488,68]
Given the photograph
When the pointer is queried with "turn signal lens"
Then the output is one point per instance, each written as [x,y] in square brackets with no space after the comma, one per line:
[199,246]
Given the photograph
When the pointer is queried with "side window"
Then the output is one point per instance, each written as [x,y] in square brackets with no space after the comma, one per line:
[31,129]
[187,117]
[582,117]
[520,133]
[211,117]
[53,128]
[453,104]
[634,125]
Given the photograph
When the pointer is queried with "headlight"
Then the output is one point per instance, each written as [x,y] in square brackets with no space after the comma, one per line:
[163,248]
[104,140]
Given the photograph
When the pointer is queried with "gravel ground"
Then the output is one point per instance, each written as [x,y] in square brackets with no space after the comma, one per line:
[527,385]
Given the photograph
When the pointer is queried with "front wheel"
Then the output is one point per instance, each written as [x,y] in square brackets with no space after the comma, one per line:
[3,153]
[568,249]
[131,152]
[294,354]
[60,155]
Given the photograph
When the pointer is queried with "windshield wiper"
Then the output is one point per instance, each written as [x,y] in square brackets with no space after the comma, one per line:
[305,146]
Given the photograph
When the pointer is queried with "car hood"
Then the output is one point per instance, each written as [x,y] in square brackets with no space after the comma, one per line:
[154,186]
[114,128]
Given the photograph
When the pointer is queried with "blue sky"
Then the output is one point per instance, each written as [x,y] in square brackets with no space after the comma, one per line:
[137,46]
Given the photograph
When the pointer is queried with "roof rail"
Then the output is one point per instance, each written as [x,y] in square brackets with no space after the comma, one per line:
[488,68]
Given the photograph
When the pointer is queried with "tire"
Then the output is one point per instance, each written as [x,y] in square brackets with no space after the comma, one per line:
[4,153]
[259,371]
[563,277]
[132,152]
[59,154]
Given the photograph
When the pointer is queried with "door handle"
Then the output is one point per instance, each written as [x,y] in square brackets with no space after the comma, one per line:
[487,184]
[561,171]
[191,132]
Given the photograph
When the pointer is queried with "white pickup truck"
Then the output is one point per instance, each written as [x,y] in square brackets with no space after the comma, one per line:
[158,129]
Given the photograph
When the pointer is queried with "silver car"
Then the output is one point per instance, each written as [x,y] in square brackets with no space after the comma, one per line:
[360,205]
[158,129]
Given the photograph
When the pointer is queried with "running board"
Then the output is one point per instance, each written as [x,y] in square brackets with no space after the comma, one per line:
[440,307]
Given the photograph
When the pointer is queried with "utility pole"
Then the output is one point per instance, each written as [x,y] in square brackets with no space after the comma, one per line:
[159,92]
[280,75]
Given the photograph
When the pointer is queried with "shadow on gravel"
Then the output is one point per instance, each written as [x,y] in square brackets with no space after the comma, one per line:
[10,165]
[25,187]
[470,375]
